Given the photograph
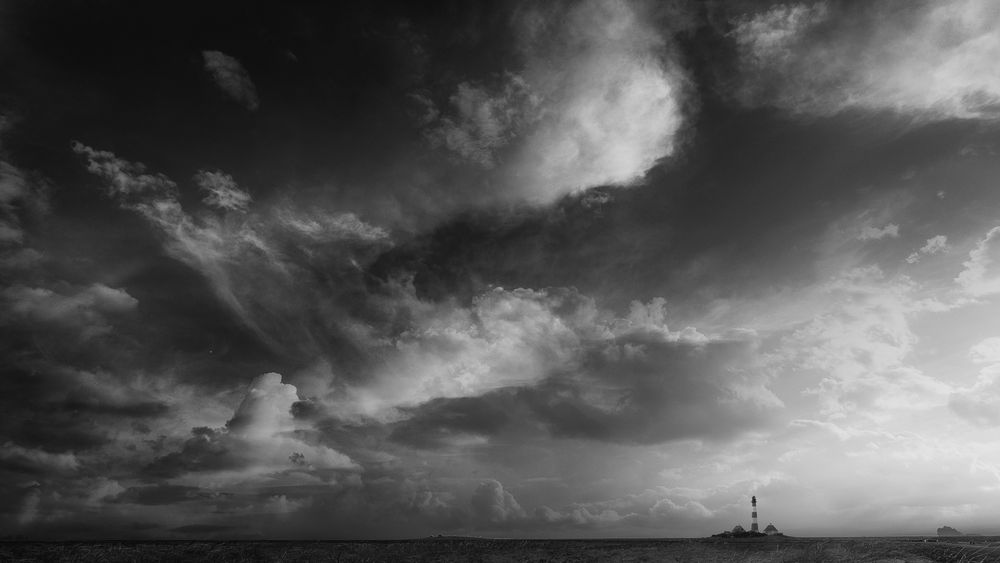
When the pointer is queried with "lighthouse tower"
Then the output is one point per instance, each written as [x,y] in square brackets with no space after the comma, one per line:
[753,526]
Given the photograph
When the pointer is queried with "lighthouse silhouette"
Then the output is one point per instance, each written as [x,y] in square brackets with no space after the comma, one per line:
[753,526]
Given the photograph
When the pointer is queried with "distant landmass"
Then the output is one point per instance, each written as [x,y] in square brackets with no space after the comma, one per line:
[948,531]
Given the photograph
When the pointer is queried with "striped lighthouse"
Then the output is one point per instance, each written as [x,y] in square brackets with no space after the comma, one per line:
[753,525]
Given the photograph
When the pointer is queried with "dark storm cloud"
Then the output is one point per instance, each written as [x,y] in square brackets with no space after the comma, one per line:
[231,78]
[22,198]
[157,494]
[593,375]
[439,422]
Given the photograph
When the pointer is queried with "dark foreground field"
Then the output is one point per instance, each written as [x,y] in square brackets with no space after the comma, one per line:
[885,550]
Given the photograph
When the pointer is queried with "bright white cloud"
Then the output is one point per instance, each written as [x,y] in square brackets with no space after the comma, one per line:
[934,245]
[261,443]
[870,232]
[231,78]
[935,59]
[858,345]
[986,351]
[494,505]
[981,275]
[598,102]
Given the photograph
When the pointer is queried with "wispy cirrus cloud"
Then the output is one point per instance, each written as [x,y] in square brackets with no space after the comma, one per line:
[230,76]
[223,192]
[254,259]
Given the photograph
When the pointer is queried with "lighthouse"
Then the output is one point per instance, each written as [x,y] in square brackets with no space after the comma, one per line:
[753,525]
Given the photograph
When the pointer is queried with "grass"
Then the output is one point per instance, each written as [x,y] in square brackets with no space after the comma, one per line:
[764,550]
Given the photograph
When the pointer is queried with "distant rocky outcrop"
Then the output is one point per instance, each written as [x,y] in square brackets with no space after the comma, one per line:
[948,531]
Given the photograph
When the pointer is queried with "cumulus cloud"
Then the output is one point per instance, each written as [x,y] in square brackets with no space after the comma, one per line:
[934,245]
[223,192]
[598,102]
[494,505]
[870,232]
[981,275]
[933,59]
[261,442]
[231,78]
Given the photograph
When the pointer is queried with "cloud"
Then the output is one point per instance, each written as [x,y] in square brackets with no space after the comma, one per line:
[986,351]
[484,122]
[463,376]
[260,263]
[231,78]
[934,245]
[980,402]
[85,310]
[322,227]
[981,275]
[36,462]
[22,198]
[493,505]
[931,59]
[223,192]
[444,422]
[262,442]
[870,232]
[856,346]
[598,102]
[126,180]
[651,508]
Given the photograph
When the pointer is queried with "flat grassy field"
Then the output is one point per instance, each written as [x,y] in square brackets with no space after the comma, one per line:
[762,550]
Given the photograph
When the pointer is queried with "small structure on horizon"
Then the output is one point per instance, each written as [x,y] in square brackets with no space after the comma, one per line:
[948,531]
[740,532]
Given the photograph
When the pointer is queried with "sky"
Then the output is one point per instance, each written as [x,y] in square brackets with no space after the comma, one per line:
[599,268]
